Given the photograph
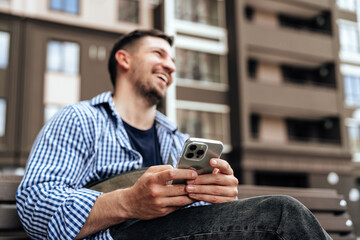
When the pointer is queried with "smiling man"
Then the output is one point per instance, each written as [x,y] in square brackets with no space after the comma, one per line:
[118,132]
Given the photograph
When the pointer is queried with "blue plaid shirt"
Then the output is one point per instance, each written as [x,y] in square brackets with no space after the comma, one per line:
[83,143]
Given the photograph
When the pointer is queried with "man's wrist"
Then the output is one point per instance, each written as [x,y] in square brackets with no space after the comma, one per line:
[121,201]
[117,210]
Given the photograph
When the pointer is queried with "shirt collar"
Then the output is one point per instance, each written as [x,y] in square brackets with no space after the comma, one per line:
[162,120]
[106,98]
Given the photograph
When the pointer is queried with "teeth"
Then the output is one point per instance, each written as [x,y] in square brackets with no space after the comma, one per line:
[163,77]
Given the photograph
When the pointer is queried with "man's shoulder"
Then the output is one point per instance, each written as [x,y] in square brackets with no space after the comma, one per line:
[94,107]
[84,112]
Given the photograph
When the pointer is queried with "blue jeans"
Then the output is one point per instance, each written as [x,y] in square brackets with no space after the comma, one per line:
[258,218]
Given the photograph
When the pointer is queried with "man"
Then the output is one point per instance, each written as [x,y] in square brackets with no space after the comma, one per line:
[113,134]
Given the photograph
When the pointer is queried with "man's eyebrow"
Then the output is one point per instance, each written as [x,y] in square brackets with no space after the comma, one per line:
[164,51]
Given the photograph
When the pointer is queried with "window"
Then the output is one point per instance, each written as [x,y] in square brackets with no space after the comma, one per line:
[252,66]
[198,66]
[4,62]
[201,52]
[349,39]
[254,125]
[204,124]
[129,11]
[323,75]
[5,46]
[352,90]
[68,6]
[199,11]
[320,23]
[2,117]
[348,5]
[325,130]
[50,111]
[62,57]
[354,136]
[62,79]
[353,128]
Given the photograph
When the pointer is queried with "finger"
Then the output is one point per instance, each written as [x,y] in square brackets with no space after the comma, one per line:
[179,201]
[222,165]
[172,174]
[159,212]
[212,190]
[158,168]
[215,179]
[175,190]
[210,198]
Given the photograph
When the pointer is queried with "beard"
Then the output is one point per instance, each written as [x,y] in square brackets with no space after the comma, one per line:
[148,92]
[144,84]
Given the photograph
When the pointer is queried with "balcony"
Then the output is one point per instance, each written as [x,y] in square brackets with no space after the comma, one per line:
[291,100]
[290,41]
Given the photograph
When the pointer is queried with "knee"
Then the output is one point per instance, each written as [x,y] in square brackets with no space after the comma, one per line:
[273,206]
[268,211]
[289,206]
[285,200]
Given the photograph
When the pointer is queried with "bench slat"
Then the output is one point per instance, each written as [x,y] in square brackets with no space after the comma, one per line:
[9,218]
[8,186]
[333,223]
[314,199]
[12,235]
[262,190]
[313,203]
[343,237]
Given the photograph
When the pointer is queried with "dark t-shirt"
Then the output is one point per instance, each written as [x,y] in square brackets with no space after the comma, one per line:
[146,143]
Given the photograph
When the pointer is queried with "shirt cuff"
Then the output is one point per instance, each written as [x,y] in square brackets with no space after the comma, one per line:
[74,212]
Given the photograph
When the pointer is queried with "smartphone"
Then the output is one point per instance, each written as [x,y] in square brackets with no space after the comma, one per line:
[196,154]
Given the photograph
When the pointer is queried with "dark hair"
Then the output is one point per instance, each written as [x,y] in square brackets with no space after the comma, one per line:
[127,40]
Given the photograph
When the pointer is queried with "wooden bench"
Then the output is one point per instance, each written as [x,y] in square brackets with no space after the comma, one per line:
[10,226]
[328,206]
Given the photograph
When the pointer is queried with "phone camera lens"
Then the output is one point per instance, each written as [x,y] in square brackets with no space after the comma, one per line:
[200,152]
[189,155]
[192,147]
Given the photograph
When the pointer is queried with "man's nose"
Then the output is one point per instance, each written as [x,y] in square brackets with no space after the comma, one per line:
[169,64]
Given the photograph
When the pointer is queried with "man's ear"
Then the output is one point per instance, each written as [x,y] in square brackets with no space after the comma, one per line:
[123,59]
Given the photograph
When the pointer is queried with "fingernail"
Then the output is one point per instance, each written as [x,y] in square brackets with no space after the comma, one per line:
[190,188]
[193,174]
[190,182]
[214,161]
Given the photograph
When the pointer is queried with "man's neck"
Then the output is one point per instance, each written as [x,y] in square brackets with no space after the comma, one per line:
[134,110]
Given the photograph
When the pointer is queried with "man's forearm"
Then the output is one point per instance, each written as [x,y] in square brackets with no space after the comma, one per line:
[107,211]
[150,197]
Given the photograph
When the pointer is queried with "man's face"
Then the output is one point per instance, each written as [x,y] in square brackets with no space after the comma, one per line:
[152,68]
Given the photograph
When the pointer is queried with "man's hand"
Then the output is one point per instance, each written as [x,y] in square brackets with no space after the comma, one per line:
[151,196]
[217,187]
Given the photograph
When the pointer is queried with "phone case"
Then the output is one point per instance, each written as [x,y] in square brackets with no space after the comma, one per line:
[197,153]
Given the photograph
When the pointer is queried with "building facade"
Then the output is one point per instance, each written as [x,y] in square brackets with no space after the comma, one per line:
[288,89]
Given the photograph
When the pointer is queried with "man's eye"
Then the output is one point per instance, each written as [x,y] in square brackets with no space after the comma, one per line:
[158,53]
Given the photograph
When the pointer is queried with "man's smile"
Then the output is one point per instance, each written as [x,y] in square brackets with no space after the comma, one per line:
[163,77]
